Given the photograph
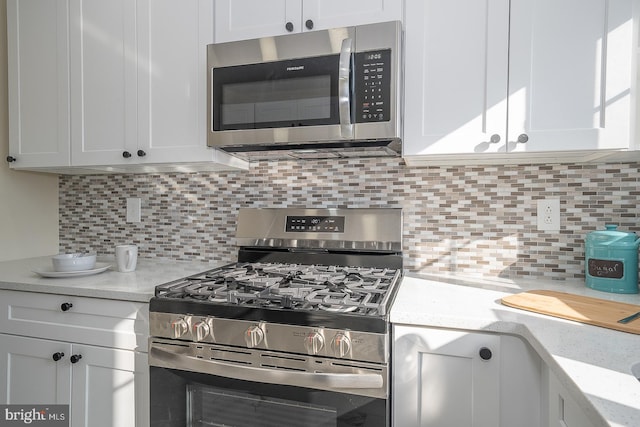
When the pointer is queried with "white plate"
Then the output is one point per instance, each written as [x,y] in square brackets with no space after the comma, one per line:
[52,273]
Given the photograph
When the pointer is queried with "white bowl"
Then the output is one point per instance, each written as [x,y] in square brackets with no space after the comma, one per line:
[73,262]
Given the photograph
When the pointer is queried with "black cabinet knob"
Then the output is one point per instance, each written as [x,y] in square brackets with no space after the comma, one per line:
[57,356]
[65,306]
[289,26]
[141,153]
[485,353]
[75,358]
[309,24]
[126,154]
[11,159]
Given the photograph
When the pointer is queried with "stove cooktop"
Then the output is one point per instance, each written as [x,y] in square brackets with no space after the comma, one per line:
[361,290]
[358,297]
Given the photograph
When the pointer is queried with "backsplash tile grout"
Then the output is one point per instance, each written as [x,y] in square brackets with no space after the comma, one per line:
[472,220]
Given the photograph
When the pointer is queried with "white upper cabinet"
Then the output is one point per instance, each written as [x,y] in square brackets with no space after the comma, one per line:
[38,77]
[519,76]
[456,65]
[172,80]
[127,94]
[570,64]
[248,19]
[103,81]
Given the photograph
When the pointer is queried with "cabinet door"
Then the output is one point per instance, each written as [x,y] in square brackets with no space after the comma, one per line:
[38,78]
[172,78]
[563,410]
[339,13]
[440,379]
[103,81]
[29,374]
[456,66]
[249,19]
[570,85]
[110,388]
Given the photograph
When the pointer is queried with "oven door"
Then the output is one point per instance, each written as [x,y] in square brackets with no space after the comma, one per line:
[184,394]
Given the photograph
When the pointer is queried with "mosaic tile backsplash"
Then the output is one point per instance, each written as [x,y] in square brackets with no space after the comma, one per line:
[466,220]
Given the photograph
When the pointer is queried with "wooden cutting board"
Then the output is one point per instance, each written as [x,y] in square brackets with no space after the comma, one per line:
[593,311]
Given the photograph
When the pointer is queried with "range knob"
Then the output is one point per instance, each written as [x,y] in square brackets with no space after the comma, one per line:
[341,345]
[200,330]
[253,336]
[313,342]
[179,327]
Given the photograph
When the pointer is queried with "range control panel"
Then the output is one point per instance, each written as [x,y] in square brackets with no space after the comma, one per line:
[318,224]
[373,86]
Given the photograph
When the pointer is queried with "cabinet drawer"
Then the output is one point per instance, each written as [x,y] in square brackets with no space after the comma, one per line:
[107,323]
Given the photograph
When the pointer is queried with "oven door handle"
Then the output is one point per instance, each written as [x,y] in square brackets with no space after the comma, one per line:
[176,359]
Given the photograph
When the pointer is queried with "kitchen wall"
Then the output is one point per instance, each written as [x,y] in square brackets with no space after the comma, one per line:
[467,220]
[29,201]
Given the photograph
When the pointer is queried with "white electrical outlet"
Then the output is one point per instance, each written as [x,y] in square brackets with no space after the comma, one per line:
[134,205]
[549,215]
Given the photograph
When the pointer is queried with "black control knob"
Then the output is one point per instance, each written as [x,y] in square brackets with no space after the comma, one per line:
[11,159]
[141,153]
[65,306]
[126,154]
[75,358]
[309,24]
[57,356]
[289,26]
[485,353]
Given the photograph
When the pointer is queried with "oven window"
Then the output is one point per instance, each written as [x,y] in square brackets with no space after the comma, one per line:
[211,406]
[181,398]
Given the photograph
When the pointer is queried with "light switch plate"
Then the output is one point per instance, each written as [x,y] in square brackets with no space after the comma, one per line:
[134,205]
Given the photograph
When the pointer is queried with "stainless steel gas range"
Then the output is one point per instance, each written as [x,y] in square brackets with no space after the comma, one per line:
[296,333]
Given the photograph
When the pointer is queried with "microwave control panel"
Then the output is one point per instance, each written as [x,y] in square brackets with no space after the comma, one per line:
[372,72]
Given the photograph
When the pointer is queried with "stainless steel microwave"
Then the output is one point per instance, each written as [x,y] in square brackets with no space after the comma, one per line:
[319,94]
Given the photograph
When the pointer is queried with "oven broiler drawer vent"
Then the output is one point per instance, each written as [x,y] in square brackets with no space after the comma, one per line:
[362,378]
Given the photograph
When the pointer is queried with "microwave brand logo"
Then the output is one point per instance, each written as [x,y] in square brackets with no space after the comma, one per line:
[43,416]
[296,68]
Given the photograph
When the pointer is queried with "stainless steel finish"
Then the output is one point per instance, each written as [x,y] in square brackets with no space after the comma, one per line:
[630,318]
[179,327]
[310,141]
[365,229]
[314,343]
[365,346]
[523,138]
[495,138]
[346,127]
[358,378]
[253,336]
[341,345]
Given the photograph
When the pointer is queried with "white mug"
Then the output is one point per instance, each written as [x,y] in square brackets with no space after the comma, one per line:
[126,258]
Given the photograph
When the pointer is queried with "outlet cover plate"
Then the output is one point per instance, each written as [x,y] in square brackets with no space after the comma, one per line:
[548,215]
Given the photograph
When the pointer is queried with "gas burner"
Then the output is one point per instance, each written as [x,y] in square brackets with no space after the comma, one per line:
[289,286]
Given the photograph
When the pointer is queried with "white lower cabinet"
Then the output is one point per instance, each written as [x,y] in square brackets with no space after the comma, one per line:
[563,410]
[454,378]
[99,368]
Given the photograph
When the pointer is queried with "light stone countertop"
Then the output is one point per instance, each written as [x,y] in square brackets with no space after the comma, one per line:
[135,286]
[593,363]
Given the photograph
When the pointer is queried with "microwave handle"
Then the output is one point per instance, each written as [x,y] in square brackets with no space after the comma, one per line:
[344,89]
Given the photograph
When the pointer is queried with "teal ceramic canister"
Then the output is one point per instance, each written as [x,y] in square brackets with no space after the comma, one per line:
[611,260]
